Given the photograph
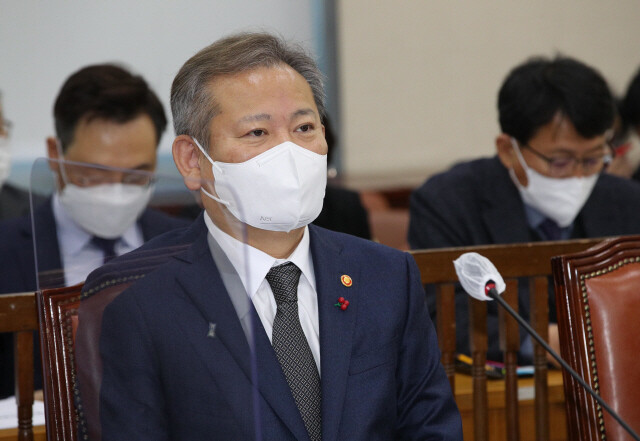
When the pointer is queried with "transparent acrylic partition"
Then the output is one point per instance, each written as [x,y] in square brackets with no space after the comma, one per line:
[168,343]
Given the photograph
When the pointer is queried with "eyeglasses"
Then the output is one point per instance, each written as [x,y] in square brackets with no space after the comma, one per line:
[84,176]
[564,165]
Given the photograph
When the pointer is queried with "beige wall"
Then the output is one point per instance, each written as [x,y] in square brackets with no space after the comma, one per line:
[419,78]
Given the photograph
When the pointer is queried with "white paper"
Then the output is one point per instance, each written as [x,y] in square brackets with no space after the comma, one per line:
[9,413]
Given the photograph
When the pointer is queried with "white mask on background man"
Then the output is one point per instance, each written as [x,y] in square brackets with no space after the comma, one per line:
[5,159]
[280,189]
[106,210]
[560,199]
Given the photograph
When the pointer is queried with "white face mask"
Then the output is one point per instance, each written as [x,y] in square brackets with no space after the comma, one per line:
[281,189]
[5,159]
[106,210]
[560,199]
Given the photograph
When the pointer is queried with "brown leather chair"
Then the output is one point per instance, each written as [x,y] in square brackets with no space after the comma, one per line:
[514,261]
[598,300]
[18,316]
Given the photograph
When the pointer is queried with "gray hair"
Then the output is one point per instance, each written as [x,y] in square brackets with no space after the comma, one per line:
[193,106]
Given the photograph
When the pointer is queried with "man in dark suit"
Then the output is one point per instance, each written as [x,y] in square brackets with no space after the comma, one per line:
[14,202]
[261,326]
[544,184]
[108,124]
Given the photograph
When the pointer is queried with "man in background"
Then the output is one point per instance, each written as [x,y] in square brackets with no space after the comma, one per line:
[108,126]
[264,326]
[14,202]
[545,183]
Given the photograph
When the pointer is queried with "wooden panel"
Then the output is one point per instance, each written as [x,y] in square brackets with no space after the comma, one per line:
[496,408]
[436,264]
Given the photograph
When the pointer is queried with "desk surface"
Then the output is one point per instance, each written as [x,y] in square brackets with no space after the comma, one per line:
[39,434]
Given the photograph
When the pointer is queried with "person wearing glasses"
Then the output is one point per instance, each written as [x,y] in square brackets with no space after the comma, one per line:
[108,126]
[14,202]
[545,183]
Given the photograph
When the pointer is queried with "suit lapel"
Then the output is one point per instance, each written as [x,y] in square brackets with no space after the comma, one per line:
[48,266]
[503,215]
[336,325]
[202,283]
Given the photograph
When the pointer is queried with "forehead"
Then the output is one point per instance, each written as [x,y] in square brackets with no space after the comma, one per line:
[560,135]
[273,89]
[114,144]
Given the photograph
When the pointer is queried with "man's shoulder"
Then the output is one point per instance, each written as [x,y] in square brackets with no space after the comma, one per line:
[147,258]
[464,176]
[619,188]
[352,247]
[155,222]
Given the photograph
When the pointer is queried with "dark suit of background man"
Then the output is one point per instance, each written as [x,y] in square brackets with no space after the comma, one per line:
[248,116]
[107,117]
[14,202]
[544,184]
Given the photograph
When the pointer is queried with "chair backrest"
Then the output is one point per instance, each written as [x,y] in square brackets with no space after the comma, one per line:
[18,317]
[598,299]
[513,261]
[58,317]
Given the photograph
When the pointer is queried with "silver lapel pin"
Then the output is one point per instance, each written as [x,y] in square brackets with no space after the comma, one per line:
[212,330]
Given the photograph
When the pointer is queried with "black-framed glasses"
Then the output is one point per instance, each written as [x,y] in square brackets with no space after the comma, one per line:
[564,165]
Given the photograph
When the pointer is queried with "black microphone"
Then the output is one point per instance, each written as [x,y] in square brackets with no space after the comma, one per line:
[474,270]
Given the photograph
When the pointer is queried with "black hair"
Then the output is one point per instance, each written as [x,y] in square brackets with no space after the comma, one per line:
[105,91]
[535,91]
[630,108]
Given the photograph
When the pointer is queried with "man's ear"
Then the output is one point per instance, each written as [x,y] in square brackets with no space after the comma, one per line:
[509,158]
[53,153]
[186,156]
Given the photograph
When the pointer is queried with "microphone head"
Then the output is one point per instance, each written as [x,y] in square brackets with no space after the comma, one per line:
[475,272]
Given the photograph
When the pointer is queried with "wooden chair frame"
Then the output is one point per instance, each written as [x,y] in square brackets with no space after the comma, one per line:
[57,313]
[530,260]
[18,316]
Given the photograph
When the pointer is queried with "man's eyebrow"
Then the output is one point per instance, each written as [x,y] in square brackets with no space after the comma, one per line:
[302,112]
[565,150]
[256,117]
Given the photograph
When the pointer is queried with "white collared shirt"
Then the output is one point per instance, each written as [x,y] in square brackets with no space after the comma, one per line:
[77,254]
[252,266]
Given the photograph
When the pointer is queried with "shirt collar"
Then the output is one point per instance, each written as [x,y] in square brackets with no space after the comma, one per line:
[252,265]
[534,217]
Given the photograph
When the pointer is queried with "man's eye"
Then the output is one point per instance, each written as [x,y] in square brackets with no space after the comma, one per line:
[305,127]
[562,162]
[257,132]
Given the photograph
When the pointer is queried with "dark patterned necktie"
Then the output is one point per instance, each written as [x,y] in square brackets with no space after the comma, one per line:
[292,348]
[550,229]
[107,246]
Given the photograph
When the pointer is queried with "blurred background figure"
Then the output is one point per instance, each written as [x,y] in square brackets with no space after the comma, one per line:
[14,202]
[545,183]
[108,126]
[342,209]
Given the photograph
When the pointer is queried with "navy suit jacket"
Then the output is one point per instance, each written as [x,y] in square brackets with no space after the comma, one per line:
[14,202]
[165,377]
[477,203]
[18,265]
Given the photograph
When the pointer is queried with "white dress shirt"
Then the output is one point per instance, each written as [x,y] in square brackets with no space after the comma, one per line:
[252,266]
[78,255]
